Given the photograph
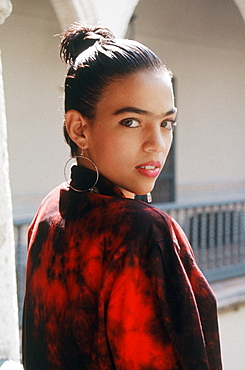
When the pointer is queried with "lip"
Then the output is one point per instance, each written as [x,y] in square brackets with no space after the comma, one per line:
[149,169]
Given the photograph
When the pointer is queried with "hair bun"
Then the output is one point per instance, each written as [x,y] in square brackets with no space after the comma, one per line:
[80,37]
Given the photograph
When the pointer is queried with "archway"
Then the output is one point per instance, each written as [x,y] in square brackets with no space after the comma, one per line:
[114,15]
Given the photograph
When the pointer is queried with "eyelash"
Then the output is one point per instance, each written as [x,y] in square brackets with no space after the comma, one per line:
[172,124]
[126,122]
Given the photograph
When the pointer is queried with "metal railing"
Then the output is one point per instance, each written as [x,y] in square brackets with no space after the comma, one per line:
[216,233]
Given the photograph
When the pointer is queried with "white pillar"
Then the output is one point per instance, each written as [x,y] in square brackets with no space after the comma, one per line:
[9,333]
[241,6]
[5,10]
[113,14]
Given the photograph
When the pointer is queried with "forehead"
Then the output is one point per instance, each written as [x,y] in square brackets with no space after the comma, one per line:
[147,90]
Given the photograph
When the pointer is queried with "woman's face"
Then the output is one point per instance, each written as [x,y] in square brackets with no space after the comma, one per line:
[129,137]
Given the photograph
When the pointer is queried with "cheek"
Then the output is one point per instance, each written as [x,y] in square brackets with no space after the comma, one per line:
[170,139]
[113,140]
[105,145]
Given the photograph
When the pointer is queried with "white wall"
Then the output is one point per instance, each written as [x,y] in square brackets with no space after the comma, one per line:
[33,75]
[202,42]
[232,329]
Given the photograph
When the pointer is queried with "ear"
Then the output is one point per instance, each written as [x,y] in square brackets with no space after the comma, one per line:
[76,126]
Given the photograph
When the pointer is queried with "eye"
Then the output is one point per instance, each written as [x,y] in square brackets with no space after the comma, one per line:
[169,124]
[130,122]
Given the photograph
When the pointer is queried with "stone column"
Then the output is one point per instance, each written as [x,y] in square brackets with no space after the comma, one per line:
[113,14]
[9,329]
[241,6]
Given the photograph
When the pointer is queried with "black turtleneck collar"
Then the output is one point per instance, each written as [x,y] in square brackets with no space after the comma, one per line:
[84,179]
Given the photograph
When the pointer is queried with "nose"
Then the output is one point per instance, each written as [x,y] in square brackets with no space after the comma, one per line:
[156,140]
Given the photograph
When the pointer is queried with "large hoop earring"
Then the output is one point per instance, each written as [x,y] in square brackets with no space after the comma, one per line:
[93,187]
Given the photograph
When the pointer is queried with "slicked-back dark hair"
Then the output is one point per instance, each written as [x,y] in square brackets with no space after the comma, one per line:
[98,58]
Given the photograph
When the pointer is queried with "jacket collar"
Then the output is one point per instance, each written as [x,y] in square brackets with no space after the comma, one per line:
[83,180]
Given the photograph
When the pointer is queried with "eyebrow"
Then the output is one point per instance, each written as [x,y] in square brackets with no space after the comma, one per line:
[142,111]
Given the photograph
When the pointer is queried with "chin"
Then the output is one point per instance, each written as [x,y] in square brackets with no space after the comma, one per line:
[145,190]
[141,187]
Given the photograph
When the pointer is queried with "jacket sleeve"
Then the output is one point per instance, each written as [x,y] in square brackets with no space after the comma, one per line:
[162,313]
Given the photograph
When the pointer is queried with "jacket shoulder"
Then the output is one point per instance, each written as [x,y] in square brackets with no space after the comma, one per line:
[144,219]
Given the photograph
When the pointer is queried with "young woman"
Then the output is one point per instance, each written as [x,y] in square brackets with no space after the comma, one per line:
[111,281]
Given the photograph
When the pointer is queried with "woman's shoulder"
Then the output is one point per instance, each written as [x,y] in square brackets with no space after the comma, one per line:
[158,224]
[49,204]
[142,217]
[111,211]
[146,211]
[132,207]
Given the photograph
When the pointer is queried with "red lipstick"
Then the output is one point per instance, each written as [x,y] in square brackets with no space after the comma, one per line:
[149,169]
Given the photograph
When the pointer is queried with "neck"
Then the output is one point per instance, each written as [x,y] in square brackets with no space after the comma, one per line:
[126,193]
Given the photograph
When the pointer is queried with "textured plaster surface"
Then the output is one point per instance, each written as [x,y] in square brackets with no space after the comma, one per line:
[9,341]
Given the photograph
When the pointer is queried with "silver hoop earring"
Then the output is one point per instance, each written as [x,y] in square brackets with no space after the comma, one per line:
[93,187]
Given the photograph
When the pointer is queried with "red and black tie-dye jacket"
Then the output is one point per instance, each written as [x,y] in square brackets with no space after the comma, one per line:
[112,284]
